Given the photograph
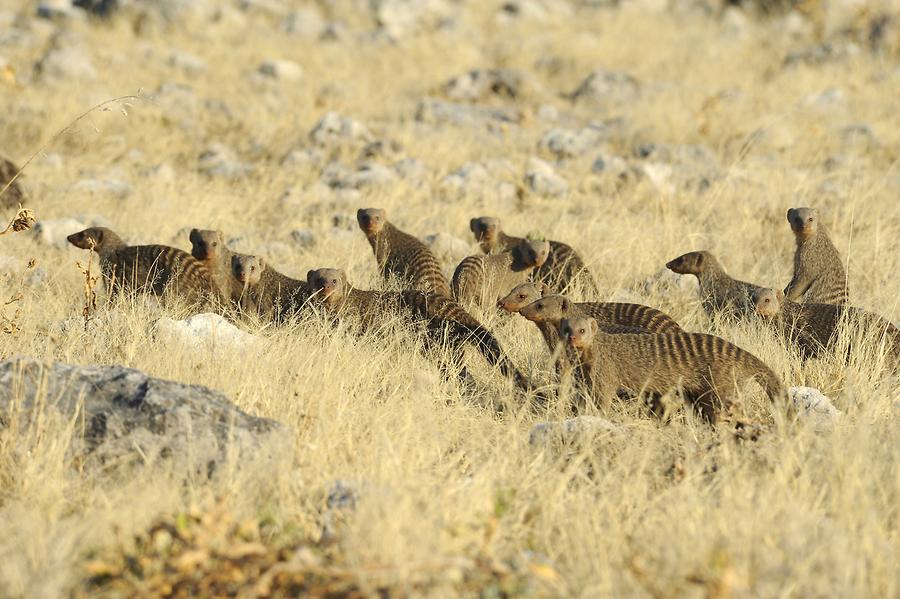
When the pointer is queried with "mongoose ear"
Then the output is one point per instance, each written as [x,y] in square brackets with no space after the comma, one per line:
[98,237]
[545,289]
[343,275]
[779,294]
[194,236]
[309,275]
[473,224]
[594,326]
[790,213]
[565,304]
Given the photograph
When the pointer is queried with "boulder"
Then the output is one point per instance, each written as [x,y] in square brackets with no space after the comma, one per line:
[128,418]
[334,128]
[284,70]
[573,429]
[204,332]
[543,180]
[814,408]
[439,112]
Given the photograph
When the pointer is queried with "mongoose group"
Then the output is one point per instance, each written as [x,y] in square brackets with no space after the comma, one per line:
[611,349]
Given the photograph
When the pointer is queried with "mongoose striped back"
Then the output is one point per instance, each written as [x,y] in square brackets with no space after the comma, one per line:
[819,274]
[13,196]
[706,368]
[481,279]
[265,291]
[563,267]
[157,269]
[718,291]
[401,255]
[814,328]
[441,316]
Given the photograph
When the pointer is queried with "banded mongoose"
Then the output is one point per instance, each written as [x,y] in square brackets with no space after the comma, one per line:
[209,247]
[718,291]
[400,254]
[265,291]
[814,327]
[482,279]
[14,195]
[157,269]
[705,367]
[441,316]
[819,275]
[562,269]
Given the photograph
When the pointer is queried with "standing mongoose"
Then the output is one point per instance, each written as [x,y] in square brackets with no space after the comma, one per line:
[819,275]
[265,291]
[814,328]
[400,254]
[157,269]
[441,316]
[562,269]
[481,279]
[718,291]
[705,367]
[13,196]
[209,247]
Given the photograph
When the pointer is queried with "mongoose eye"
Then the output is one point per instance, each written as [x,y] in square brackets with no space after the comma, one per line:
[581,331]
[334,281]
[809,220]
[522,296]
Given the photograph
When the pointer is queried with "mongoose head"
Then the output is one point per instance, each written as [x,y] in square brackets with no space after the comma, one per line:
[486,230]
[96,238]
[206,244]
[804,221]
[328,283]
[767,302]
[371,220]
[691,263]
[578,332]
[549,307]
[247,269]
[532,252]
[522,295]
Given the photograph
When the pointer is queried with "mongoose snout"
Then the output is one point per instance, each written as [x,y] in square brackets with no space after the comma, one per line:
[370,220]
[87,239]
[521,296]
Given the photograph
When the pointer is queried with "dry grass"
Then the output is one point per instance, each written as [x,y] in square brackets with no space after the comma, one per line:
[670,509]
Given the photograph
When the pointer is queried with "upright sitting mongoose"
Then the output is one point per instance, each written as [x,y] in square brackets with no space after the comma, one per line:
[441,316]
[157,269]
[819,275]
[562,269]
[482,279]
[718,291]
[814,327]
[13,196]
[209,247]
[265,291]
[706,368]
[400,254]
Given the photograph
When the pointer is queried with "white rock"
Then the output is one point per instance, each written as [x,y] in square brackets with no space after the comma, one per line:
[305,22]
[568,143]
[103,187]
[53,232]
[448,248]
[464,115]
[399,18]
[220,161]
[543,180]
[335,128]
[203,331]
[285,70]
[607,87]
[573,429]
[814,408]
[68,62]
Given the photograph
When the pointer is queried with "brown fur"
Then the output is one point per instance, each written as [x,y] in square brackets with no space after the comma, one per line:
[718,291]
[814,327]
[14,195]
[706,368]
[265,291]
[156,269]
[441,317]
[563,269]
[481,279]
[208,246]
[819,275]
[401,255]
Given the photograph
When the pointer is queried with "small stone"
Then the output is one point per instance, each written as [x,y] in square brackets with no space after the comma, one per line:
[334,128]
[543,180]
[572,430]
[284,70]
[448,248]
[113,188]
[814,408]
[607,87]
[305,22]
[188,63]
[479,84]
[567,143]
[203,331]
[220,161]
[303,238]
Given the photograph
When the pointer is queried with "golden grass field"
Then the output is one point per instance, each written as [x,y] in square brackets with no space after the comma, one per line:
[451,498]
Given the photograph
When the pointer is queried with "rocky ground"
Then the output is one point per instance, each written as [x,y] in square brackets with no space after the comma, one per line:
[148,451]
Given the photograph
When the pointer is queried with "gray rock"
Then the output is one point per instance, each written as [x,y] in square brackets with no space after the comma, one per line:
[66,62]
[814,408]
[400,18]
[440,112]
[678,166]
[543,180]
[334,128]
[575,429]
[113,188]
[474,180]
[569,143]
[303,238]
[127,418]
[59,11]
[305,22]
[480,84]
[381,149]
[203,332]
[366,174]
[604,87]
[514,10]
[53,232]
[284,70]
[220,161]
[188,63]
[610,164]
[412,170]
